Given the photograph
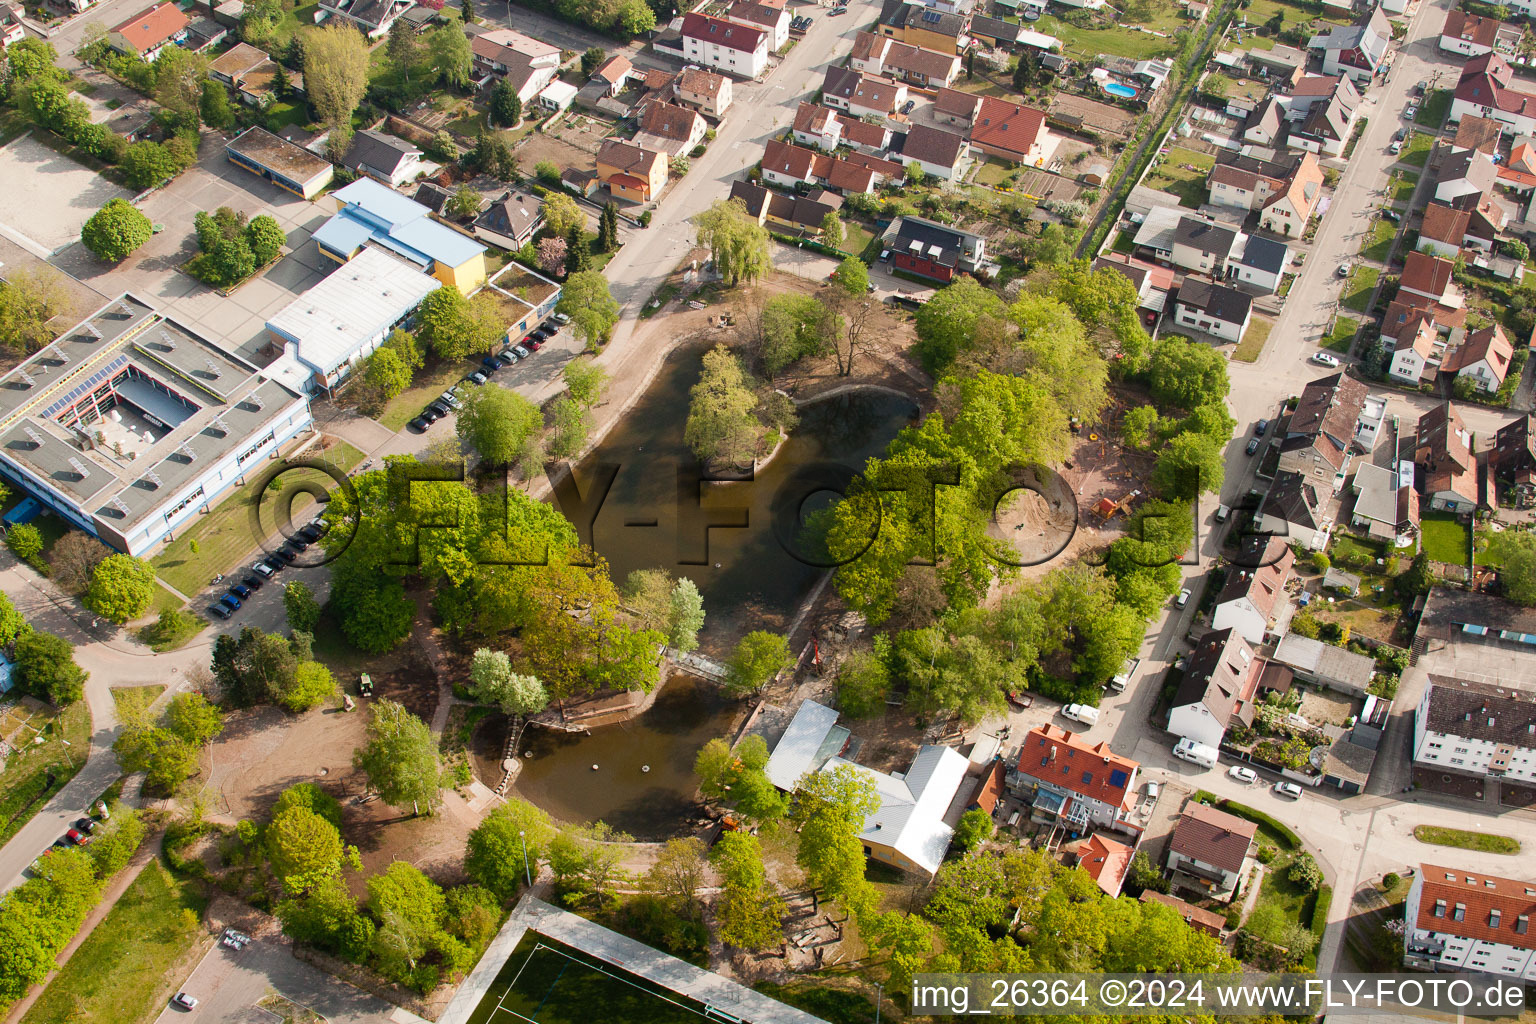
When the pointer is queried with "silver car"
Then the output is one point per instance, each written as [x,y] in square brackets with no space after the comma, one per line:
[1289,789]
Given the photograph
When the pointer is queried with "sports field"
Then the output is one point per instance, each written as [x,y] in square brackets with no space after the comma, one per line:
[545,982]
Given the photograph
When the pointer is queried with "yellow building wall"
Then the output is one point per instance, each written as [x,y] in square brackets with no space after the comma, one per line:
[466,276]
[931,40]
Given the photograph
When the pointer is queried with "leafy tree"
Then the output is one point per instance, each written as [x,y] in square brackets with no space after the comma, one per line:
[304,849]
[947,322]
[166,758]
[830,808]
[739,777]
[400,758]
[465,203]
[686,616]
[313,684]
[750,915]
[114,846]
[585,863]
[635,17]
[122,588]
[384,376]
[327,917]
[568,429]
[190,716]
[678,872]
[758,657]
[266,238]
[403,344]
[146,164]
[738,244]
[301,607]
[30,58]
[586,381]
[493,856]
[506,107]
[722,423]
[548,172]
[973,829]
[591,307]
[403,47]
[445,323]
[1190,465]
[409,907]
[498,423]
[452,57]
[1417,580]
[30,299]
[335,78]
[214,106]
[863,683]
[26,540]
[852,275]
[1185,374]
[832,230]
[561,214]
[1517,577]
[492,681]
[959,675]
[45,668]
[12,625]
[116,230]
[608,228]
[591,60]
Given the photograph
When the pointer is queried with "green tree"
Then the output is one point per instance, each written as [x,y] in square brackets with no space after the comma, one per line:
[506,107]
[973,829]
[568,428]
[26,540]
[578,252]
[591,307]
[115,231]
[832,230]
[45,668]
[830,809]
[852,276]
[498,423]
[548,172]
[1418,578]
[635,17]
[863,683]
[948,322]
[685,616]
[302,609]
[1190,465]
[492,681]
[384,376]
[737,243]
[31,58]
[400,758]
[464,204]
[561,214]
[30,298]
[403,47]
[445,323]
[493,856]
[166,759]
[313,684]
[758,657]
[608,228]
[678,872]
[739,777]
[1517,577]
[1185,374]
[214,106]
[304,849]
[12,625]
[146,164]
[335,78]
[591,59]
[452,57]
[722,422]
[190,716]
[403,344]
[750,915]
[122,588]
[586,381]
[266,238]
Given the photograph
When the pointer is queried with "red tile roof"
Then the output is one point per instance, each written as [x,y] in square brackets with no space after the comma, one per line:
[1106,862]
[148,29]
[783,158]
[1052,754]
[1010,127]
[1473,28]
[1213,837]
[726,33]
[1426,274]
[1490,343]
[614,68]
[1453,901]
[991,787]
[1443,223]
[1207,921]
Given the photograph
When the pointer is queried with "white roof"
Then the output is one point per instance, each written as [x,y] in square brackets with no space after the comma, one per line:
[360,299]
[1029,37]
[559,92]
[910,818]
[796,751]
[1159,227]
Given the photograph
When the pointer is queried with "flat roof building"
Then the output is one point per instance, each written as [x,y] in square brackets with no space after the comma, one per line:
[131,423]
[343,319]
[372,213]
[291,168]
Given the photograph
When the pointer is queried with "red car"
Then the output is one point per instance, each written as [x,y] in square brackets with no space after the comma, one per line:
[77,837]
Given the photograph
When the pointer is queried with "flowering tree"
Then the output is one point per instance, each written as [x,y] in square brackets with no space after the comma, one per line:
[552,252]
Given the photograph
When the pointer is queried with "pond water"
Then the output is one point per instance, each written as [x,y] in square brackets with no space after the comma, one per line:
[557,774]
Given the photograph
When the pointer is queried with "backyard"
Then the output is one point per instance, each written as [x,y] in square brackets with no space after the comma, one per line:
[1262,12]
[1183,172]
[36,771]
[1360,287]
[1490,546]
[1443,537]
[1122,41]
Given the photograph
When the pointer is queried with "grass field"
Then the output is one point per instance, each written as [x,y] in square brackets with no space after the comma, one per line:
[544,982]
[1183,172]
[1443,538]
[1360,287]
[1434,108]
[119,972]
[1490,547]
[430,382]
[1379,243]
[225,536]
[1402,192]
[1122,42]
[1485,842]
[1342,338]
[1416,153]
[25,785]
[1248,349]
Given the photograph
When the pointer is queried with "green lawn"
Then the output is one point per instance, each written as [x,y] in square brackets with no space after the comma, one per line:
[1248,349]
[1088,43]
[1294,903]
[1434,108]
[25,785]
[1443,538]
[1379,244]
[430,382]
[1489,548]
[1356,554]
[994,173]
[856,239]
[1125,242]
[282,115]
[1183,172]
[224,536]
[1416,153]
[1360,287]
[121,972]
[1402,192]
[1342,337]
[1485,842]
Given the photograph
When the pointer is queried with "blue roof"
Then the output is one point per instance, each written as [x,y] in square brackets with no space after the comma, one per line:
[372,211]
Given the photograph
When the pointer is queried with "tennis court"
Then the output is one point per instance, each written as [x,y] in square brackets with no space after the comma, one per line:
[545,982]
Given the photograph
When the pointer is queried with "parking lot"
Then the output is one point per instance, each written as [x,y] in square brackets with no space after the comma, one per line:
[48,197]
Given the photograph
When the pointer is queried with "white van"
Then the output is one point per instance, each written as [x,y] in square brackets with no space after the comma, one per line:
[1081,713]
[1127,672]
[1196,753]
[1223,513]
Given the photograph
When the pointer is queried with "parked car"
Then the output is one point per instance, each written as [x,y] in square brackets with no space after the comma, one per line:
[251,581]
[310,533]
[291,549]
[263,570]
[1289,789]
[477,378]
[490,365]
[542,334]
[86,825]
[184,1001]
[1183,598]
[1395,148]
[1261,428]
[274,563]
[450,399]
[1084,713]
[560,318]
[241,592]
[1253,445]
[430,415]
[1343,270]
[1324,359]
[906,108]
[1400,135]
[521,351]
[1411,111]
[1247,776]
[836,11]
[296,543]
[231,602]
[504,359]
[284,555]
[551,325]
[1392,215]
[532,344]
[220,611]
[419,424]
[77,837]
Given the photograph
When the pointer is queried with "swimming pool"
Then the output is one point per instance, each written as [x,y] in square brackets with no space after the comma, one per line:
[1116,89]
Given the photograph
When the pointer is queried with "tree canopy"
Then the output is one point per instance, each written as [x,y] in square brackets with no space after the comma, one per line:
[737,243]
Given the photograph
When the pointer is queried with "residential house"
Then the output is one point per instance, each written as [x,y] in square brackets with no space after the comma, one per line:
[1266,125]
[231,67]
[150,31]
[705,91]
[1158,229]
[1429,278]
[1325,125]
[765,17]
[938,153]
[1313,661]
[523,62]
[1220,687]
[511,220]
[916,25]
[1260,262]
[1484,358]
[1106,862]
[735,49]
[1211,851]
[1203,246]
[1324,432]
[828,129]
[1010,131]
[1479,133]
[1461,920]
[879,55]
[203,34]
[1386,505]
[289,167]
[669,128]
[1355,50]
[802,214]
[787,166]
[614,74]
[1481,729]
[1293,510]
[372,215]
[631,173]
[383,158]
[951,106]
[1285,193]
[1198,918]
[862,95]
[1464,171]
[931,250]
[1443,230]
[556,97]
[12,29]
[1281,65]
[433,196]
[1252,602]
[1483,90]
[1447,472]
[1485,219]
[373,18]
[1512,461]
[1415,350]
[1074,783]
[1472,35]
[579,182]
[1518,173]
[994,32]
[1212,308]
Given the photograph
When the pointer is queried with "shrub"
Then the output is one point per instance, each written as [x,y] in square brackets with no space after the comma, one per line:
[1305,872]
[1287,838]
[1390,880]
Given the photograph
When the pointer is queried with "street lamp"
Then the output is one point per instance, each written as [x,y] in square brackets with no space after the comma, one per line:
[879,998]
[527,872]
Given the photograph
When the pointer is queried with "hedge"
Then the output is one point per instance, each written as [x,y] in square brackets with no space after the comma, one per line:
[1291,839]
[1320,910]
[811,244]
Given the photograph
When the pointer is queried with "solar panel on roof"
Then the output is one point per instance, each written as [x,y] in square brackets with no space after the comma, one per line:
[1118,777]
[78,468]
[932,17]
[86,386]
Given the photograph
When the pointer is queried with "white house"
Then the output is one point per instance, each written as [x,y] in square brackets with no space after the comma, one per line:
[384,158]
[1253,599]
[1415,350]
[1484,357]
[1074,782]
[150,31]
[740,50]
[1484,90]
[1211,851]
[1221,680]
[1474,728]
[1472,35]
[1213,309]
[940,154]
[771,19]
[1259,262]
[1292,510]
[1460,920]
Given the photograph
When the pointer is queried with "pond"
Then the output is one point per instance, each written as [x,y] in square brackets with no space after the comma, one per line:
[657,804]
